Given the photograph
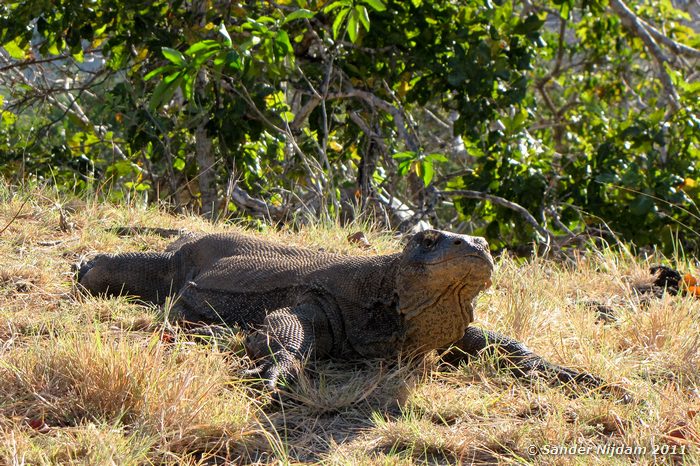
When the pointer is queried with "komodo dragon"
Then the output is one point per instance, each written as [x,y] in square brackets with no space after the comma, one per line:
[297,303]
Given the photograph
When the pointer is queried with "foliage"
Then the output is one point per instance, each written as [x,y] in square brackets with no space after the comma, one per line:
[276,109]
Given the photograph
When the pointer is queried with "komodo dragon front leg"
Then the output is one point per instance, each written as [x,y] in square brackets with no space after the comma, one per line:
[513,355]
[288,336]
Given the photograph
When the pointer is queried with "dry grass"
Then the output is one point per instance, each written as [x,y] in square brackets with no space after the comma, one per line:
[94,381]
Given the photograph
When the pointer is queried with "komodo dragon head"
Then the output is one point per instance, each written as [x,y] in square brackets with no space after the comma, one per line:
[439,276]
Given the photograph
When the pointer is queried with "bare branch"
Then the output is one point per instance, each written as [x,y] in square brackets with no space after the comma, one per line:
[399,120]
[676,47]
[242,199]
[437,120]
[72,108]
[304,113]
[243,92]
[527,216]
[38,61]
[635,26]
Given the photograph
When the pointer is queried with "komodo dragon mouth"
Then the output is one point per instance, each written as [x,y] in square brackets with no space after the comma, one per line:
[440,276]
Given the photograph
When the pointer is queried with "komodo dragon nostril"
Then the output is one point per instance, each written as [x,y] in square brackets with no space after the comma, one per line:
[457,242]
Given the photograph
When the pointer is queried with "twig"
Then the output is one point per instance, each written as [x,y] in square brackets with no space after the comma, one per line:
[38,61]
[437,120]
[14,217]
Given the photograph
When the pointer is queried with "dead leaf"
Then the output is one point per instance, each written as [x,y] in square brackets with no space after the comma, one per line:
[360,239]
[683,432]
[38,424]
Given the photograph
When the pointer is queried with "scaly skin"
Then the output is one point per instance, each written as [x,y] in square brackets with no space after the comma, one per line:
[296,303]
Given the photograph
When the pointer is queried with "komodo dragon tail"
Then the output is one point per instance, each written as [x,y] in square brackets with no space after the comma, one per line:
[148,276]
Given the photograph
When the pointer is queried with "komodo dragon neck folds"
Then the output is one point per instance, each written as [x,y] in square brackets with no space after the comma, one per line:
[296,303]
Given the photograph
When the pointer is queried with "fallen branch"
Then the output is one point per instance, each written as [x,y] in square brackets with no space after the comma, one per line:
[527,216]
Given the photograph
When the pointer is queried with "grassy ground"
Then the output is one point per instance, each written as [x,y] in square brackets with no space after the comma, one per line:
[99,381]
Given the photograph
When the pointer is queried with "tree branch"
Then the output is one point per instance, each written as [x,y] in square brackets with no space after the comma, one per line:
[373,100]
[527,216]
[676,47]
[38,61]
[304,113]
[242,199]
[635,26]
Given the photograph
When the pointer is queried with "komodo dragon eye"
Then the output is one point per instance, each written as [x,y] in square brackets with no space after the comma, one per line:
[429,241]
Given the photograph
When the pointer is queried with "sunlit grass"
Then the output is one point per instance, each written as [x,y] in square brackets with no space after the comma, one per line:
[103,381]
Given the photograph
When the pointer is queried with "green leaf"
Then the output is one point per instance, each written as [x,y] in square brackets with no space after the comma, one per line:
[338,21]
[203,45]
[403,167]
[282,45]
[363,15]
[353,26]
[377,5]
[565,10]
[227,37]
[265,19]
[338,4]
[174,56]
[404,155]
[122,168]
[156,72]
[437,157]
[54,48]
[531,24]
[233,60]
[8,118]
[426,171]
[298,14]
[165,90]
[179,164]
[642,205]
[14,50]
[188,85]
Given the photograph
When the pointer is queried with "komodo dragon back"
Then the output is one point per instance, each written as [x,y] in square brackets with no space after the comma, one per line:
[298,303]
